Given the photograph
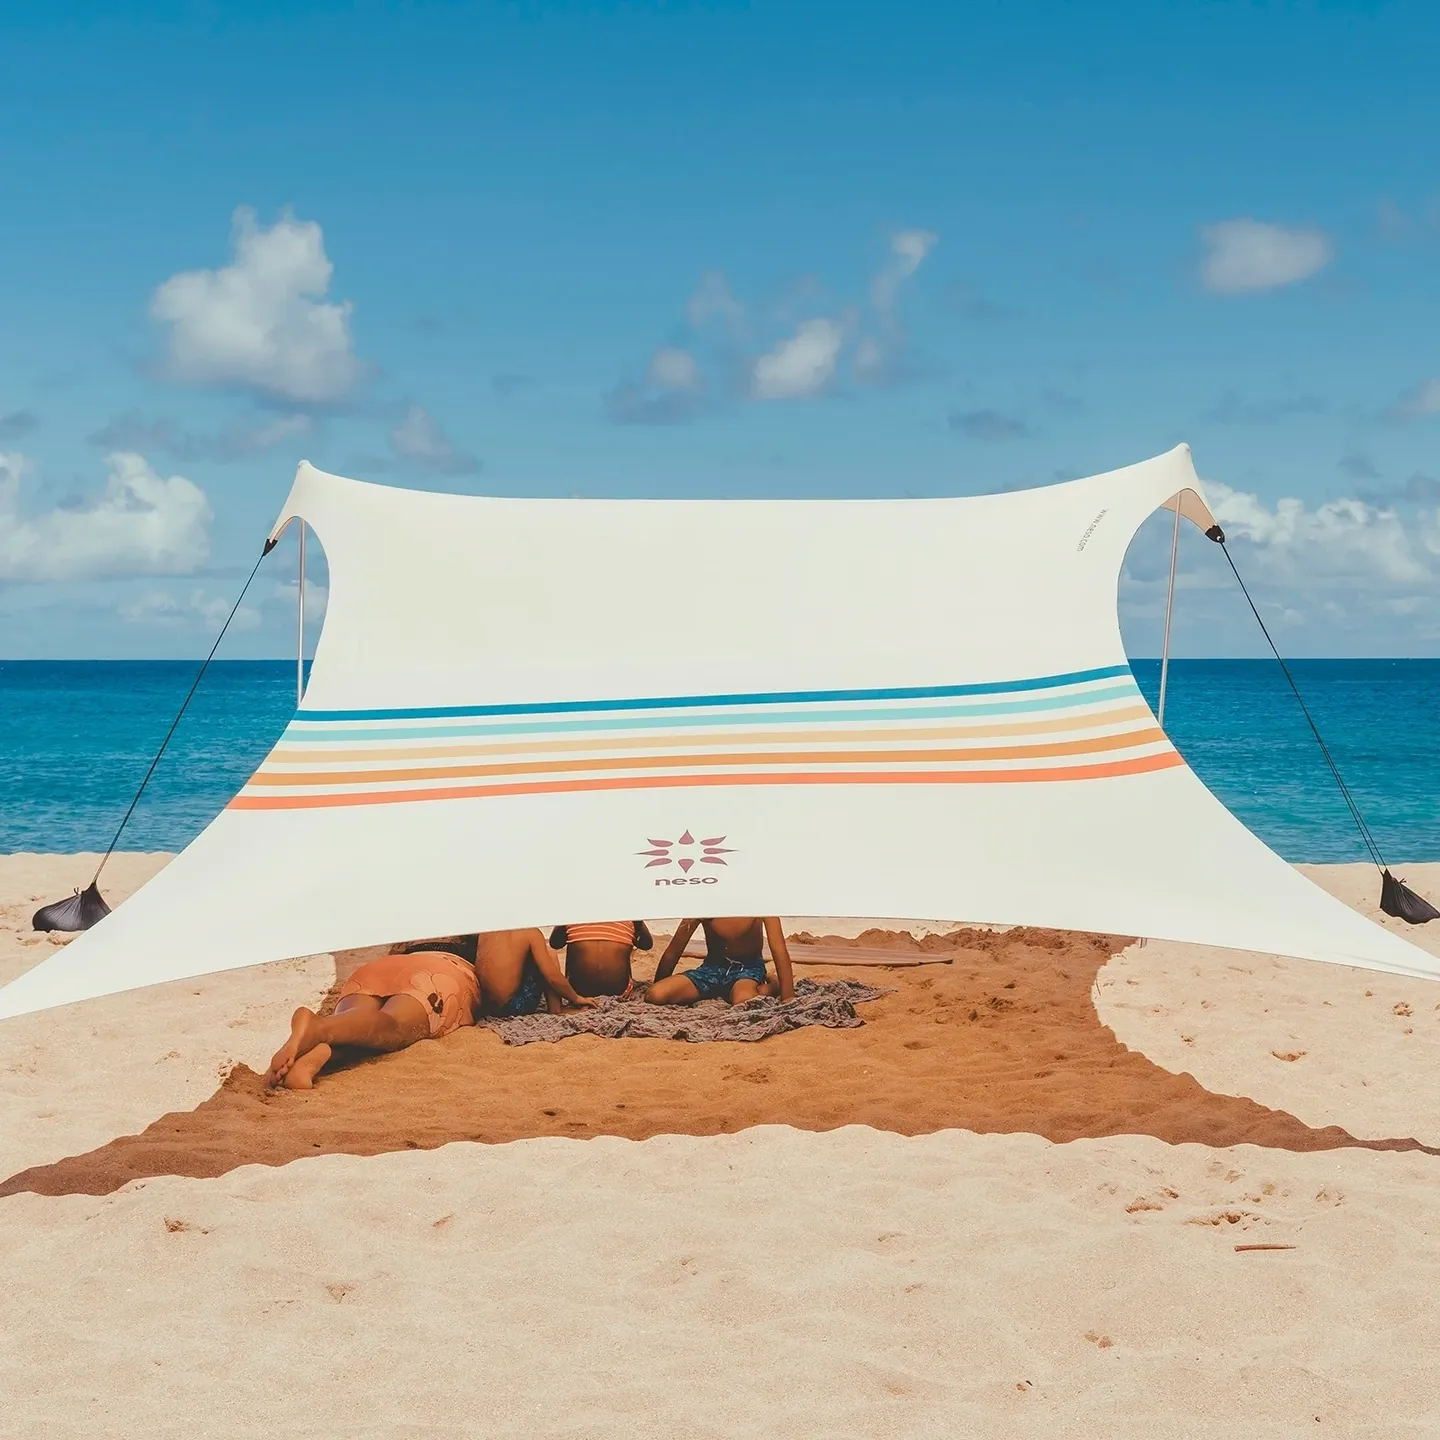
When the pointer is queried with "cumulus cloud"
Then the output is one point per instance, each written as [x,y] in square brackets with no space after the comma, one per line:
[801,366]
[419,439]
[1242,256]
[261,323]
[989,425]
[1341,539]
[717,359]
[140,525]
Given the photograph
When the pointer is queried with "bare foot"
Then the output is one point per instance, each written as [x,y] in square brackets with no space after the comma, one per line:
[301,1039]
[301,1075]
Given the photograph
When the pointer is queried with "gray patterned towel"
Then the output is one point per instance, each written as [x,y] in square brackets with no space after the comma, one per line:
[817,1002]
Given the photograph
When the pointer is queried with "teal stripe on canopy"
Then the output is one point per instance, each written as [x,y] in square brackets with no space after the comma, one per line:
[609,723]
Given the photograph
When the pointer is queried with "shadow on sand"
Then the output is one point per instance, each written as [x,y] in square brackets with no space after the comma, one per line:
[1003,1040]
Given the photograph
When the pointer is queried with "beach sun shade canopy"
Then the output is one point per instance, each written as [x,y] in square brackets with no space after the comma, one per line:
[532,711]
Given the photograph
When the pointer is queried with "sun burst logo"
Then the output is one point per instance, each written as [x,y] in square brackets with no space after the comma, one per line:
[686,852]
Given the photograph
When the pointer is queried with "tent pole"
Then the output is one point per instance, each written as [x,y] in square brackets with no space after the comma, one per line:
[300,626]
[1169,610]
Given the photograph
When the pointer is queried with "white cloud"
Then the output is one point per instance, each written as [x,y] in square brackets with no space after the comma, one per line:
[159,607]
[672,368]
[418,437]
[1247,255]
[140,525]
[261,323]
[908,249]
[876,359]
[800,366]
[1341,539]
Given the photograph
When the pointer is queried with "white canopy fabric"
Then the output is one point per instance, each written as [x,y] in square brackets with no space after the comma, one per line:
[528,711]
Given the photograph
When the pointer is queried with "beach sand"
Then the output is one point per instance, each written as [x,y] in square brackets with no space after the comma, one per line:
[1008,1205]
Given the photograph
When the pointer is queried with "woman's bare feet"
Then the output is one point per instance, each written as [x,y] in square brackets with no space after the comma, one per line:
[301,1075]
[302,1039]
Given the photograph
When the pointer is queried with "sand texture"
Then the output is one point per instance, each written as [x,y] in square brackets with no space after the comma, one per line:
[1008,1205]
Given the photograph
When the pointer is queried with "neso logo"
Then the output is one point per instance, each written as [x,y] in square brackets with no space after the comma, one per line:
[685,854]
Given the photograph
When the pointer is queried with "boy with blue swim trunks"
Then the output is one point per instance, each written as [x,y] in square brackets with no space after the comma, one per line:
[734,965]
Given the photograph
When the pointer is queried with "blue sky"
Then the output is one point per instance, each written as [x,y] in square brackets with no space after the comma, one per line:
[781,249]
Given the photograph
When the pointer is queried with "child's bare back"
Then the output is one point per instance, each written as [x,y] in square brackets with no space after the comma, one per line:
[518,973]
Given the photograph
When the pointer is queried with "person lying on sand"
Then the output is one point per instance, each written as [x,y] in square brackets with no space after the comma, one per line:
[734,966]
[423,990]
[387,1004]
[597,954]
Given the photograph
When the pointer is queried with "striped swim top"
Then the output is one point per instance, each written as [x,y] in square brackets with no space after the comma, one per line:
[617,932]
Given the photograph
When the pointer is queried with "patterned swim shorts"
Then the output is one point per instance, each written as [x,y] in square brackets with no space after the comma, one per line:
[714,980]
[529,994]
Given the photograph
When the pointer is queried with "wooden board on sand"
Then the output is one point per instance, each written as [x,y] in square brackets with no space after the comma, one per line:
[848,955]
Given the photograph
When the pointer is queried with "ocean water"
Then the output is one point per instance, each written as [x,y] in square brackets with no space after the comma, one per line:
[77,736]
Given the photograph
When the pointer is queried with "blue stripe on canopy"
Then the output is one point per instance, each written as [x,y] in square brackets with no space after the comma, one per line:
[680,702]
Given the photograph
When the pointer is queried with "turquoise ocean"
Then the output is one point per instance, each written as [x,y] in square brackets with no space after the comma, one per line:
[77,736]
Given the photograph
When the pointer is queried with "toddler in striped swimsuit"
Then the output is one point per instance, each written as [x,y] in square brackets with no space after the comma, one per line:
[597,954]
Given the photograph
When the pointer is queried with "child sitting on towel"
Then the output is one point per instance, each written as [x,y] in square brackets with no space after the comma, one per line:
[423,990]
[597,954]
[734,965]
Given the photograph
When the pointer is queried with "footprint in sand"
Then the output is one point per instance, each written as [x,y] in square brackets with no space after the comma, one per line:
[1225,1217]
[176,1227]
[1150,1202]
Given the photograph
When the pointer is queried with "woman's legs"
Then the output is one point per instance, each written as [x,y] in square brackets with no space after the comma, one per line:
[364,1022]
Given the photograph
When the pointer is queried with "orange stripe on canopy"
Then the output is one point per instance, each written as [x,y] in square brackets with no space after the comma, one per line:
[1138,766]
[1094,744]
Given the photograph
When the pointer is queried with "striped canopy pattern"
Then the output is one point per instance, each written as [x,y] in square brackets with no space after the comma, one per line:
[1085,725]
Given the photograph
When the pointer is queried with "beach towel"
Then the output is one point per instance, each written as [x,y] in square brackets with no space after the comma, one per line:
[830,1003]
